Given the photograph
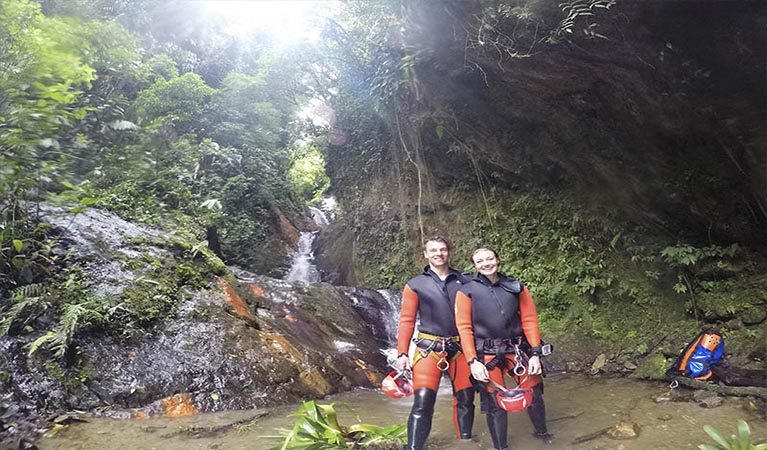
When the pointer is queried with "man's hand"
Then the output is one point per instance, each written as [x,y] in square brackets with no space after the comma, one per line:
[534,366]
[402,363]
[479,371]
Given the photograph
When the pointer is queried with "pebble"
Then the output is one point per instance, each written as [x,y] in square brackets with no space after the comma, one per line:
[624,430]
[711,402]
[599,363]
[628,365]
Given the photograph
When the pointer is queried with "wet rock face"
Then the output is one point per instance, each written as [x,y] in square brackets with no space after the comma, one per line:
[224,362]
[274,343]
[220,363]
[25,393]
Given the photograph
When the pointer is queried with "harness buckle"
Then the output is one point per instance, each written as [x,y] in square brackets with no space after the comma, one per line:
[519,367]
[443,364]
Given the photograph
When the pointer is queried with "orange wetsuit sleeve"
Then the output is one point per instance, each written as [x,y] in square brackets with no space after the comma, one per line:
[406,319]
[465,328]
[529,318]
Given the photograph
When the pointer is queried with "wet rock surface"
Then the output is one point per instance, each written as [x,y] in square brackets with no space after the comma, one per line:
[301,341]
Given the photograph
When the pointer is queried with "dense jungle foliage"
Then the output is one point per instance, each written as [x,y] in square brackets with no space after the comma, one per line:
[166,130]
[611,159]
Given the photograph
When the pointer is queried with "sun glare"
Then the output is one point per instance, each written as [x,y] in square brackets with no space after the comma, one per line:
[285,20]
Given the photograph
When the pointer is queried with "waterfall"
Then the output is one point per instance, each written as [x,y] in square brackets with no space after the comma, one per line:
[390,319]
[302,267]
[319,216]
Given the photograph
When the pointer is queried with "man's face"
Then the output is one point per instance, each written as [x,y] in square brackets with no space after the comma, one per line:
[436,253]
[485,262]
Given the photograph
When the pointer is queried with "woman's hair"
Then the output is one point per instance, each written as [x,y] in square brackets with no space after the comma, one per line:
[479,249]
[438,238]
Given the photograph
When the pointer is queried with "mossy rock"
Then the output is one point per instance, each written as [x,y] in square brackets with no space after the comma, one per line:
[653,367]
[754,315]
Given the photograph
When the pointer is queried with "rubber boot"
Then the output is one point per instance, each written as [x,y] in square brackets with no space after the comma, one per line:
[497,422]
[419,422]
[464,412]
[537,413]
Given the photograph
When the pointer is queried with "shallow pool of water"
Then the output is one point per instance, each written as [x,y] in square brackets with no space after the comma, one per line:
[576,406]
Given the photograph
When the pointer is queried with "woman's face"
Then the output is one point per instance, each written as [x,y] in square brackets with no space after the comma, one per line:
[485,262]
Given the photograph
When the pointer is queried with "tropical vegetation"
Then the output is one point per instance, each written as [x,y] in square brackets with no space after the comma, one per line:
[604,161]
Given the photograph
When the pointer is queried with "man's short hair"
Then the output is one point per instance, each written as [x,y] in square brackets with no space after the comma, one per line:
[438,238]
[479,249]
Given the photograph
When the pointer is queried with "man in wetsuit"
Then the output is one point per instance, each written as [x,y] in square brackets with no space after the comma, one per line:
[430,296]
[496,317]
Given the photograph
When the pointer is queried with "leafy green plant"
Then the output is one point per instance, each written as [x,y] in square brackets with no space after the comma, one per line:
[688,261]
[317,427]
[73,318]
[741,441]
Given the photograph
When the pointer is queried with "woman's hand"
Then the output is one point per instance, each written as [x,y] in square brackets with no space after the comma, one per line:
[479,371]
[534,365]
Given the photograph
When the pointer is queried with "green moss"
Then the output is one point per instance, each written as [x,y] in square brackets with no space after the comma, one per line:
[748,342]
[729,298]
[201,313]
[653,367]
[71,380]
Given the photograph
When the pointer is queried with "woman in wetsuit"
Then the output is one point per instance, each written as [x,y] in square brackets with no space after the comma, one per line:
[498,326]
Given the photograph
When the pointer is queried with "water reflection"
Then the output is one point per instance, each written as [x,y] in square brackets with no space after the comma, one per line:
[576,406]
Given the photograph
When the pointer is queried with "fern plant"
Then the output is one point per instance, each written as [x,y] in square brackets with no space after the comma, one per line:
[73,317]
[22,299]
[741,441]
[317,427]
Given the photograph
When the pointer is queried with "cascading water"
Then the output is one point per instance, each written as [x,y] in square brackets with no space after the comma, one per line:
[390,318]
[302,267]
[390,321]
[383,310]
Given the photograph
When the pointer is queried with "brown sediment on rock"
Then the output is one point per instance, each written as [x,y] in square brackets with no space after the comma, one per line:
[256,290]
[179,405]
[372,376]
[234,299]
[283,345]
[288,230]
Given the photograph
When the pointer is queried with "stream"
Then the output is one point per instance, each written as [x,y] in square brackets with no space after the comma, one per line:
[576,406]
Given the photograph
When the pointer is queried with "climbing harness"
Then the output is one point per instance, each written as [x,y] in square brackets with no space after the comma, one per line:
[438,347]
[500,348]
